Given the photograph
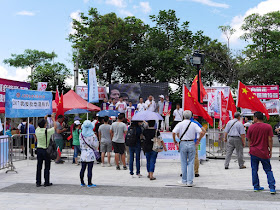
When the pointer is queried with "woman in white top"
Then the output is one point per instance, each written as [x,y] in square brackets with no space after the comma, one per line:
[88,144]
[177,116]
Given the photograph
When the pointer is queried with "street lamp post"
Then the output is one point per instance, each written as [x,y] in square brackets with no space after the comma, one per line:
[197,59]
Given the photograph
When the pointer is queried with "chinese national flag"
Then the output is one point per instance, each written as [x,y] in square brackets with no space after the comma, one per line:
[224,111]
[59,110]
[190,103]
[231,105]
[56,97]
[246,99]
[58,151]
[194,88]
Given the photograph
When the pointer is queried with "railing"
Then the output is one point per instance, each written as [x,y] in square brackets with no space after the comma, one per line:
[215,145]
[6,153]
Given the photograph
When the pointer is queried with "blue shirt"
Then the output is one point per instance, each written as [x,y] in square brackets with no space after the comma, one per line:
[31,130]
[194,121]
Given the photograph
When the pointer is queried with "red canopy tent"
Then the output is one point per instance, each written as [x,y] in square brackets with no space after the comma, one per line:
[72,100]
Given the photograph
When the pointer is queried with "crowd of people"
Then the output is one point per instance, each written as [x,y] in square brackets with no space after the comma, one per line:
[92,140]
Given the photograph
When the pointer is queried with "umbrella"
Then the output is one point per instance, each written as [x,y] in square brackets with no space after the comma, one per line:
[146,116]
[108,113]
[77,111]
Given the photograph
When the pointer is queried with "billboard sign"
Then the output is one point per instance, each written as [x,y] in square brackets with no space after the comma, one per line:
[28,103]
[265,91]
[83,92]
[10,84]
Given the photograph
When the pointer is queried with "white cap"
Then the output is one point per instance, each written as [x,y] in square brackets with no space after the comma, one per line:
[161,96]
[77,122]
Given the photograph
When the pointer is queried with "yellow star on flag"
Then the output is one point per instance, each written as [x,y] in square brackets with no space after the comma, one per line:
[189,94]
[244,90]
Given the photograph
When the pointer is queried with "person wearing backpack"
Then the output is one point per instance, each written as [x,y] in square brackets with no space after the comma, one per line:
[43,136]
[22,127]
[132,140]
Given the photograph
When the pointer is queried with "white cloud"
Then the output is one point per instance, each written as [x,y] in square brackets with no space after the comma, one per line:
[125,12]
[70,81]
[116,3]
[19,74]
[212,3]
[145,6]
[262,8]
[86,1]
[25,13]
[74,15]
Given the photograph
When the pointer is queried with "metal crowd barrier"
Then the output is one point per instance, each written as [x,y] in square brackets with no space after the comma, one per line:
[6,153]
[215,145]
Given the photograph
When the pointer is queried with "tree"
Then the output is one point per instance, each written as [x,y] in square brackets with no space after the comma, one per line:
[55,74]
[30,58]
[260,63]
[228,31]
[102,41]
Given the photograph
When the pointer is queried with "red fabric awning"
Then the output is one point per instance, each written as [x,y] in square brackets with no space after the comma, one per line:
[72,100]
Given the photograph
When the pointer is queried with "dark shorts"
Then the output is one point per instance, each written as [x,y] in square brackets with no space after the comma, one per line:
[119,148]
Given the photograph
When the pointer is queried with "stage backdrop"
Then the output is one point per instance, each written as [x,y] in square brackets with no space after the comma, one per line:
[172,151]
[132,91]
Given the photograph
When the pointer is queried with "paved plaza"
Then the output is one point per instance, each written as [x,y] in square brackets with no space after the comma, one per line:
[216,188]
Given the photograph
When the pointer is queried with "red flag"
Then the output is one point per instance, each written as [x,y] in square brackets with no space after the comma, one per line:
[194,88]
[58,151]
[231,105]
[246,99]
[56,97]
[190,103]
[224,111]
[60,110]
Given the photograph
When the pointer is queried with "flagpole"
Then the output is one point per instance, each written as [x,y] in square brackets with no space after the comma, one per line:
[183,101]
[238,93]
[27,149]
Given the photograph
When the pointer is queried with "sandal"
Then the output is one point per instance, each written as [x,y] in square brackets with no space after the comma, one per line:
[148,176]
[153,178]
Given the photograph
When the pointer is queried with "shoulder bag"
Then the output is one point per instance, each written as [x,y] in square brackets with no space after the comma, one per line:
[157,145]
[51,149]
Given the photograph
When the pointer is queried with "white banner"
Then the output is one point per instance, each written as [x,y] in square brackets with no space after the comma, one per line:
[272,107]
[83,92]
[42,86]
[92,86]
[28,104]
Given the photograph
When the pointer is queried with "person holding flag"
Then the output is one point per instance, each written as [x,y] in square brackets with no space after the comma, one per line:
[130,111]
[105,105]
[58,138]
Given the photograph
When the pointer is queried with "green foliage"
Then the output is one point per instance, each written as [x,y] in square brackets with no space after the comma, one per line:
[30,58]
[127,50]
[55,74]
[261,61]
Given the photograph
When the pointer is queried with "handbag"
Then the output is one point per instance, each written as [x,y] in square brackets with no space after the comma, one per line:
[51,149]
[96,153]
[157,145]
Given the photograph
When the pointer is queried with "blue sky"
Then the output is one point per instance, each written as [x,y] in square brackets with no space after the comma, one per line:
[45,24]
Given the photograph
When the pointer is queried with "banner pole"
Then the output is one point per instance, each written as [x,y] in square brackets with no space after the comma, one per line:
[5,119]
[27,147]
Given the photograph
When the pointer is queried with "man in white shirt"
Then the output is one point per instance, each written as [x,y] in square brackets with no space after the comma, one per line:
[151,104]
[141,106]
[186,131]
[112,106]
[177,116]
[130,111]
[160,111]
[121,105]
